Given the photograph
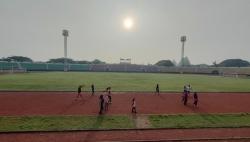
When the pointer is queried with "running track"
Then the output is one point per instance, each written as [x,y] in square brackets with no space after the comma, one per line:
[64,103]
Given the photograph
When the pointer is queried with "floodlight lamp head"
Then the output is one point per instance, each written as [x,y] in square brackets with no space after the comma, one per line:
[65,33]
[183,38]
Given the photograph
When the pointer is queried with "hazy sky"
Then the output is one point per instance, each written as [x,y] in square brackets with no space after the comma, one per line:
[215,29]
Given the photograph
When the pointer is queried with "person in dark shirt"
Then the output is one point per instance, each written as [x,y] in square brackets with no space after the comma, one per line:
[195,99]
[157,89]
[93,89]
[79,90]
[185,98]
[101,104]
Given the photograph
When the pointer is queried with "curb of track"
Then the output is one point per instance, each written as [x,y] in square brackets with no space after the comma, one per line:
[124,129]
[188,139]
[36,91]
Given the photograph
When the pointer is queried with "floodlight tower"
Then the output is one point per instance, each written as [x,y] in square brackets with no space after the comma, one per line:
[65,33]
[183,40]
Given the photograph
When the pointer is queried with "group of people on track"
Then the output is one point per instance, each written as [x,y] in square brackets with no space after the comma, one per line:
[186,93]
[105,99]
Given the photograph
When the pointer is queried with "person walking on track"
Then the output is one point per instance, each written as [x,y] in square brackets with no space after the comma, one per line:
[79,90]
[157,89]
[101,104]
[133,106]
[93,89]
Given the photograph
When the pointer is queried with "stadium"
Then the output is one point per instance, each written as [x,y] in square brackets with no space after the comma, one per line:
[122,100]
[39,98]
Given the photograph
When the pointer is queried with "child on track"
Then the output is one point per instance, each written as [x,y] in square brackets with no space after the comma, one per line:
[133,106]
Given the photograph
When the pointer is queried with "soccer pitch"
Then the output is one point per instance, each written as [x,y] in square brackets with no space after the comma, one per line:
[69,81]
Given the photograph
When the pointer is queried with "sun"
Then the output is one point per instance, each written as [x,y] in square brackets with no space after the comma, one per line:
[128,23]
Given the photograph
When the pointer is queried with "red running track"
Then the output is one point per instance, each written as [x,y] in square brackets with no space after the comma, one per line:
[64,103]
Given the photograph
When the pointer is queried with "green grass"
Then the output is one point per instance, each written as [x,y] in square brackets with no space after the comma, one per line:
[61,81]
[61,123]
[200,121]
[58,123]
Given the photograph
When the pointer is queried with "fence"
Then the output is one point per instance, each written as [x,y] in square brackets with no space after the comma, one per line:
[235,71]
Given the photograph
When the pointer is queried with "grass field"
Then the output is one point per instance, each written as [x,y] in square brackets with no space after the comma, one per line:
[60,123]
[61,81]
[200,121]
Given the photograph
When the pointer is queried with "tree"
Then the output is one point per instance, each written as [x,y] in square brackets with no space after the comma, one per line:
[61,60]
[186,62]
[71,61]
[234,63]
[96,61]
[83,62]
[17,59]
[166,63]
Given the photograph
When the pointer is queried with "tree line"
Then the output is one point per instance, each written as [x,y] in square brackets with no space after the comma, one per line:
[166,63]
[225,63]
[56,60]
